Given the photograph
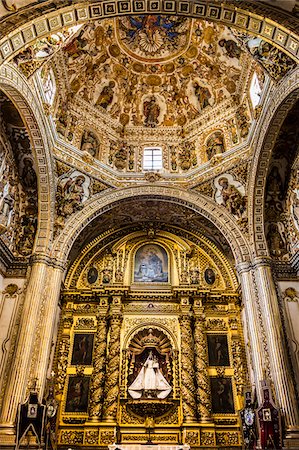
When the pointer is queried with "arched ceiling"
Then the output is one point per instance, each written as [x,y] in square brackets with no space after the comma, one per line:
[149,215]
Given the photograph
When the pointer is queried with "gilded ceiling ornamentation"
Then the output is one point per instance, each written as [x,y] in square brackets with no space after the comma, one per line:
[155,38]
[150,70]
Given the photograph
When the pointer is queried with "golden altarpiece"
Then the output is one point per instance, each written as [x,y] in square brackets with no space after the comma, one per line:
[150,346]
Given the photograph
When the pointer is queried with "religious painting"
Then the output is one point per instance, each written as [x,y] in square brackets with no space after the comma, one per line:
[92,275]
[222,395]
[209,276]
[218,350]
[151,264]
[82,349]
[77,394]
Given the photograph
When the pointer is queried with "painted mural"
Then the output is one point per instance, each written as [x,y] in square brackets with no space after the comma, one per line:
[151,264]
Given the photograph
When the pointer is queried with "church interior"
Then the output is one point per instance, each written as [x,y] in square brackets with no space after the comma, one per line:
[149,224]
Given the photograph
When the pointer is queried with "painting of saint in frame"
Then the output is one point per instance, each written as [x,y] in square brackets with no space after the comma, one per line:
[218,350]
[222,395]
[82,349]
[77,394]
[151,264]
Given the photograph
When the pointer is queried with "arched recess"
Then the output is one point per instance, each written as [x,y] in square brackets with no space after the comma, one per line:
[198,203]
[19,92]
[248,18]
[280,101]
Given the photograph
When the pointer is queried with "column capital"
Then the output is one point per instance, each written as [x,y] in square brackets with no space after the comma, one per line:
[243,267]
[43,258]
[262,261]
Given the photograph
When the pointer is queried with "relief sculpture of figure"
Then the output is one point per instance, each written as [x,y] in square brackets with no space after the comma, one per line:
[151,111]
[150,382]
[232,198]
[106,96]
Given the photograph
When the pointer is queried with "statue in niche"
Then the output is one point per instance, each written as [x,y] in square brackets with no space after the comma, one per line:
[29,178]
[215,145]
[120,156]
[151,111]
[89,143]
[150,382]
[6,206]
[276,239]
[106,96]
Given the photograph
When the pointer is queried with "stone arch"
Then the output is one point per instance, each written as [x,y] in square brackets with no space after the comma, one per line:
[44,21]
[19,92]
[204,206]
[281,100]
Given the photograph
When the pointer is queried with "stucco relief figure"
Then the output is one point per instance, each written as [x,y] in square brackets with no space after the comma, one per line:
[151,111]
[150,382]
[231,47]
[106,96]
[6,206]
[203,95]
[89,143]
[295,207]
[72,191]
[215,145]
[230,194]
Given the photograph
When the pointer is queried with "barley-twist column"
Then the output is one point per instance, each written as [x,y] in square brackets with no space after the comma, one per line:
[204,406]
[188,391]
[99,360]
[111,390]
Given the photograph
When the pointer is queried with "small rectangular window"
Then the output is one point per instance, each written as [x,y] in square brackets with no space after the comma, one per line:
[152,158]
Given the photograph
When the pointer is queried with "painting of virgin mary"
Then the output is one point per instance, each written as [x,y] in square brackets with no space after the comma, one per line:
[151,264]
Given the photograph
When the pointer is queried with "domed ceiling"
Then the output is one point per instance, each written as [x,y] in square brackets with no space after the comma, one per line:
[154,70]
[179,83]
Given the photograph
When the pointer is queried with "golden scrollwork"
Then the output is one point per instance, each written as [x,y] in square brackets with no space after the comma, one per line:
[228,438]
[97,386]
[107,437]
[111,390]
[71,437]
[201,371]
[187,370]
[239,366]
[192,437]
[62,361]
[207,438]
[91,437]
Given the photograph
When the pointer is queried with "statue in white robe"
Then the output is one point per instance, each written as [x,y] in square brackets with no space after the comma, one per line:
[150,381]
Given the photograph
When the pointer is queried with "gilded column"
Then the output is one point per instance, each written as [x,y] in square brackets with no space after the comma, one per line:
[45,329]
[99,360]
[252,322]
[279,363]
[111,390]
[19,373]
[204,406]
[188,391]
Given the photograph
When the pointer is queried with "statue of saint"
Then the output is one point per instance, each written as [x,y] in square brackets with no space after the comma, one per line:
[150,382]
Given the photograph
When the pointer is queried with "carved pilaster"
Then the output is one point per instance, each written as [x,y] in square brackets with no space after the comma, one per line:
[201,371]
[187,370]
[98,376]
[280,370]
[111,390]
